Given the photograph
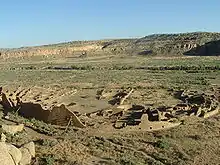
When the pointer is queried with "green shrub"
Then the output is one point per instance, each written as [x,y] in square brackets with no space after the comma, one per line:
[163,144]
[48,160]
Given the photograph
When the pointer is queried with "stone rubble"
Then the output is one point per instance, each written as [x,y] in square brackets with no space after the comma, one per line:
[12,155]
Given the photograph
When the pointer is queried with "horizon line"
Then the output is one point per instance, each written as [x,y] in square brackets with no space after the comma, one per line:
[105,39]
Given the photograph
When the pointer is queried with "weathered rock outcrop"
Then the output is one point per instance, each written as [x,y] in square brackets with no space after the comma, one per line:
[208,49]
[158,44]
[15,153]
[49,51]
[28,152]
[11,155]
[5,157]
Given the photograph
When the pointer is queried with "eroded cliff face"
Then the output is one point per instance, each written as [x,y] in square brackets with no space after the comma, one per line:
[163,44]
[209,49]
[49,50]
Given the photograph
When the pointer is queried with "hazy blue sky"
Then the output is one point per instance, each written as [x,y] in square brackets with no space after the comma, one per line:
[35,22]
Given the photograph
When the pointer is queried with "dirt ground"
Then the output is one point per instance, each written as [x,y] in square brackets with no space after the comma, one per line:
[77,82]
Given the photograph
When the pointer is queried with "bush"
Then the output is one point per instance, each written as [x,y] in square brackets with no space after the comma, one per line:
[48,160]
[163,144]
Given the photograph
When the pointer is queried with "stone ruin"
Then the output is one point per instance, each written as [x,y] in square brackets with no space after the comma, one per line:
[140,117]
[56,114]
[124,116]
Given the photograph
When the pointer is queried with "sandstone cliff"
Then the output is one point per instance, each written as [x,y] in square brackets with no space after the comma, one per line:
[158,44]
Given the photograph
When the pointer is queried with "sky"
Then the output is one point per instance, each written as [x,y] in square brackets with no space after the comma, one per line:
[39,22]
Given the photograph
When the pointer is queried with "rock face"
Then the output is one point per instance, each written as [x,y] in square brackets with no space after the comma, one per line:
[5,157]
[15,153]
[26,157]
[158,44]
[30,147]
[11,155]
[65,50]
[28,152]
[208,49]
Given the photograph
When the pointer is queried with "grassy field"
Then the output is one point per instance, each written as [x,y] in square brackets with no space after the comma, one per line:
[178,72]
